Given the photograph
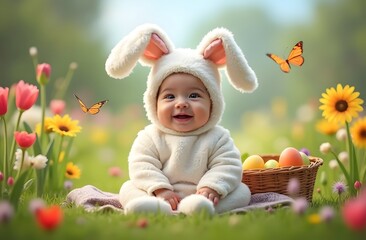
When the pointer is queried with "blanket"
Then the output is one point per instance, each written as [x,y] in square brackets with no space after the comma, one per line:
[93,199]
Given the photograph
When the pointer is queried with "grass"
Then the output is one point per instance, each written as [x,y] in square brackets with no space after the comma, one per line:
[257,224]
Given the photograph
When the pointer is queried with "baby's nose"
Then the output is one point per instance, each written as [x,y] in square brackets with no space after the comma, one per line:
[181,103]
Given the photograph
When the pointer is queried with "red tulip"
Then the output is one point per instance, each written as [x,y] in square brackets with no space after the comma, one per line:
[49,218]
[25,95]
[43,73]
[4,92]
[354,214]
[24,139]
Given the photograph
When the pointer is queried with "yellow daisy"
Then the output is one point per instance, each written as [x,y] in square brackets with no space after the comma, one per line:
[314,218]
[341,104]
[72,171]
[328,128]
[47,128]
[358,132]
[64,126]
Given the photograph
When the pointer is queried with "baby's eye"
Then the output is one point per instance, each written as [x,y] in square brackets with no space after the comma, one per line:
[194,95]
[169,96]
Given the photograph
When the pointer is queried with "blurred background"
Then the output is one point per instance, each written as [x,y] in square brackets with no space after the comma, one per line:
[281,112]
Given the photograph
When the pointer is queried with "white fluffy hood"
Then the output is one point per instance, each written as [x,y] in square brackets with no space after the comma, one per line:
[151,46]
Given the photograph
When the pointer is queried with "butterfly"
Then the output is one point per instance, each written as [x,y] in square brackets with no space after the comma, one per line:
[94,109]
[293,58]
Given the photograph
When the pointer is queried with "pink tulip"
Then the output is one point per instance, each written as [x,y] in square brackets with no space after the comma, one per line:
[4,92]
[24,139]
[25,95]
[354,214]
[10,181]
[57,106]
[43,73]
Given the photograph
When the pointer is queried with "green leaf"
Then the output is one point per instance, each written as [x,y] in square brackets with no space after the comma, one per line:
[244,156]
[18,189]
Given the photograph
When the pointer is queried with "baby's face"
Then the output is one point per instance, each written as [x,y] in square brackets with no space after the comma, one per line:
[183,103]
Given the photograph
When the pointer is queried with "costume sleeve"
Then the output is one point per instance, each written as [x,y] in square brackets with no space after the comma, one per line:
[145,166]
[224,167]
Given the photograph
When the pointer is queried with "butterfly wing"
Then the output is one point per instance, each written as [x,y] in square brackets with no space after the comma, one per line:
[96,107]
[285,67]
[82,105]
[295,57]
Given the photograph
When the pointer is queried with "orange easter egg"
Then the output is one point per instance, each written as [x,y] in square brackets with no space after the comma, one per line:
[290,157]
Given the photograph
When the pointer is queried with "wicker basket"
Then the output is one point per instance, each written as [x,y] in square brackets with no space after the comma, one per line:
[276,179]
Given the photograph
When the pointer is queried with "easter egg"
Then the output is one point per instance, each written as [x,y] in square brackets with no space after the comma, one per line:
[290,157]
[305,158]
[253,162]
[271,164]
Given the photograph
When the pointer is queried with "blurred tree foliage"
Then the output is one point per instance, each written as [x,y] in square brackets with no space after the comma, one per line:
[62,31]
[334,52]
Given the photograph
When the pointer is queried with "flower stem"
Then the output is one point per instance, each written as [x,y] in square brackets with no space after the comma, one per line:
[43,106]
[353,165]
[5,165]
[56,163]
[65,84]
[12,149]
[5,159]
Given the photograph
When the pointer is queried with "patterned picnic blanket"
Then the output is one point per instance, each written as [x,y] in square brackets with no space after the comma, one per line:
[93,199]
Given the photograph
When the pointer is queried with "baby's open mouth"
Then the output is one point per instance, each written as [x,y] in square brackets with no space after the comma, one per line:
[182,116]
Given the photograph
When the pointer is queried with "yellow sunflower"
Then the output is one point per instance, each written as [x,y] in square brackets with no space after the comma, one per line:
[64,126]
[72,171]
[358,132]
[328,128]
[341,104]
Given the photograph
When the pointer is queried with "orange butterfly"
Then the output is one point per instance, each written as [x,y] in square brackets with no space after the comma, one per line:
[294,58]
[94,109]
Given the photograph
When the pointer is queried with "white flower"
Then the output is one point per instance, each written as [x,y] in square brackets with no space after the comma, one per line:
[341,135]
[33,51]
[325,148]
[333,164]
[38,162]
[18,160]
[343,157]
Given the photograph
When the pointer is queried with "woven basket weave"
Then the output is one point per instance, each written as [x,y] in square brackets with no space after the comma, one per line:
[276,179]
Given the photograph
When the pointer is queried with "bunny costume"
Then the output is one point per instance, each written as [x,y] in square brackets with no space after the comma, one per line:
[183,161]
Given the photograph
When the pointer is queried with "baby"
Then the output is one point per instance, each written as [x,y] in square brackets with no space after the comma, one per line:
[183,161]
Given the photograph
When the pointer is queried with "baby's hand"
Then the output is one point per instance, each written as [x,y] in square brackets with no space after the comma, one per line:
[171,197]
[209,193]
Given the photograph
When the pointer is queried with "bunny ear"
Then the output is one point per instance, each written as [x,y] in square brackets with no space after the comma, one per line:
[147,43]
[220,47]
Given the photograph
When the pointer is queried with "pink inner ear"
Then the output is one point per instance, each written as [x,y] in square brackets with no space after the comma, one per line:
[215,52]
[156,47]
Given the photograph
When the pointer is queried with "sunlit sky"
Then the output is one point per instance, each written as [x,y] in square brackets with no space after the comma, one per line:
[177,17]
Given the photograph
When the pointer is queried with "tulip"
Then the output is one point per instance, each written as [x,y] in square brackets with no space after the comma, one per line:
[43,73]
[57,106]
[49,218]
[357,185]
[10,181]
[24,139]
[25,95]
[4,92]
[354,214]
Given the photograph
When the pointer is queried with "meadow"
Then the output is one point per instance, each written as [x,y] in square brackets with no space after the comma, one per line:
[99,147]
